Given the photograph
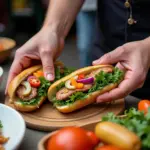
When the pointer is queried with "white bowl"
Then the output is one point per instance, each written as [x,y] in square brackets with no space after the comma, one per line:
[1,74]
[13,127]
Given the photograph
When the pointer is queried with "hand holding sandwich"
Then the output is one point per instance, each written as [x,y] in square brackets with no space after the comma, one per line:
[48,43]
[45,46]
[134,57]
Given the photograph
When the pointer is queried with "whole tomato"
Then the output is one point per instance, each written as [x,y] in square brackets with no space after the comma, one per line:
[143,105]
[108,147]
[95,140]
[70,138]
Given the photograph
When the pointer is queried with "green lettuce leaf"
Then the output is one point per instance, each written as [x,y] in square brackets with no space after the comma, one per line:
[102,79]
[74,97]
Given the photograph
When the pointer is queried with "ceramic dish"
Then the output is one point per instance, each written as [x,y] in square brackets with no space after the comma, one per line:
[13,127]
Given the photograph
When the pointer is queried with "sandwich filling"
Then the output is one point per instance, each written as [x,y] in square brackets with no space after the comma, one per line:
[82,85]
[35,86]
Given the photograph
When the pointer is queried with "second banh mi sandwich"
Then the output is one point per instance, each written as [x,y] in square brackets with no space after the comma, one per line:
[81,87]
[28,90]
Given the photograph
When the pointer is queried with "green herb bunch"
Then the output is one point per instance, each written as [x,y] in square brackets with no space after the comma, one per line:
[136,122]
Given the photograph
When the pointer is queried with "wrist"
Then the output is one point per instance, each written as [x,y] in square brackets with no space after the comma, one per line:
[56,27]
[146,43]
[146,46]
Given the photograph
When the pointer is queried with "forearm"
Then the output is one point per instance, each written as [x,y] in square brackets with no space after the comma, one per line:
[61,15]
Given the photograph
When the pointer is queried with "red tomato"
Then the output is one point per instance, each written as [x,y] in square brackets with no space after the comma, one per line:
[93,138]
[70,138]
[81,76]
[108,147]
[143,105]
[34,82]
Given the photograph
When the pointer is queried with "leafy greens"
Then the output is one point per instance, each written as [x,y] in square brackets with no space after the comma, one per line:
[136,122]
[42,92]
[102,79]
[45,84]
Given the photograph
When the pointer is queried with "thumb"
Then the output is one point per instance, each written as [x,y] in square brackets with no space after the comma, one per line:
[111,57]
[48,67]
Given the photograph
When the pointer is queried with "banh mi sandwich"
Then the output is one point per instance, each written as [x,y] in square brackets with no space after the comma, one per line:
[28,90]
[82,86]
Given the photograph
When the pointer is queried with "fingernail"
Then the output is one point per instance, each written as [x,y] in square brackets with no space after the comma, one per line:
[49,77]
[95,62]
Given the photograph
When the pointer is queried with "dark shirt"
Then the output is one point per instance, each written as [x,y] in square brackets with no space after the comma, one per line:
[113,30]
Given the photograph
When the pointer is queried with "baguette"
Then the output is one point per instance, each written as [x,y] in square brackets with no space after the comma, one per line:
[14,85]
[90,97]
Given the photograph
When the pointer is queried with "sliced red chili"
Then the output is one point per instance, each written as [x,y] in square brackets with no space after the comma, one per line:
[34,82]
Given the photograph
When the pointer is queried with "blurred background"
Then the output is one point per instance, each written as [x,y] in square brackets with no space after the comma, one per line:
[21,19]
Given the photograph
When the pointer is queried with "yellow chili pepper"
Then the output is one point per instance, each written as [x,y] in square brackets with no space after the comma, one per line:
[80,85]
[73,82]
[38,74]
[77,85]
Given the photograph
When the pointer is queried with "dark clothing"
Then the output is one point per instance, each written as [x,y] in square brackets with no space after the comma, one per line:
[113,30]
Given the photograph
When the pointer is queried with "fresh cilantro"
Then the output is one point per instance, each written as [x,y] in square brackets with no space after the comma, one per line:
[102,79]
[1,126]
[136,122]
[61,85]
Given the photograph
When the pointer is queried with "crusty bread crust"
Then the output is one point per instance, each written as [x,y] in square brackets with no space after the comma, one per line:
[28,108]
[84,102]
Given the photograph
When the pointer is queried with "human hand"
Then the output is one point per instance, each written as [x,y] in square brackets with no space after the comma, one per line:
[45,46]
[134,58]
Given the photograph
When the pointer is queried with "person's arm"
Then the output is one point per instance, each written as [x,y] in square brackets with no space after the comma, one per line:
[61,15]
[134,58]
[48,43]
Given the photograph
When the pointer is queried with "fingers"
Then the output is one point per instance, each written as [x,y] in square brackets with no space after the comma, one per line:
[48,65]
[130,83]
[111,58]
[15,69]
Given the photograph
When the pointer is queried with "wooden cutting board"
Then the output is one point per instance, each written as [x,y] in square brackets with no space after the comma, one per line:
[47,118]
